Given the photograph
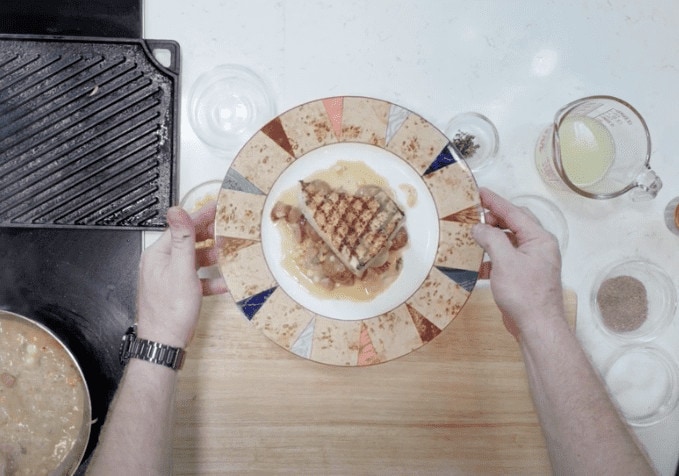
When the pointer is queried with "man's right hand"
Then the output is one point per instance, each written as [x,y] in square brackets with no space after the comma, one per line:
[525,276]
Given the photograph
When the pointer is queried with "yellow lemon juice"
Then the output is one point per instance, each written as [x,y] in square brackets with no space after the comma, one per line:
[587,150]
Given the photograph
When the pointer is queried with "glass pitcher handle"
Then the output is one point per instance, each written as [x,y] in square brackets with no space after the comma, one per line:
[648,184]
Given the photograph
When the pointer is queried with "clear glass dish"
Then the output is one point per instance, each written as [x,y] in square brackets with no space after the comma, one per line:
[227,105]
[661,300]
[200,195]
[478,131]
[548,214]
[644,381]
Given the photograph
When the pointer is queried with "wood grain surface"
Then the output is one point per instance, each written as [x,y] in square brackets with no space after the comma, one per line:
[459,405]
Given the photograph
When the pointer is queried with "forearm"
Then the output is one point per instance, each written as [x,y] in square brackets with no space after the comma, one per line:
[583,430]
[140,417]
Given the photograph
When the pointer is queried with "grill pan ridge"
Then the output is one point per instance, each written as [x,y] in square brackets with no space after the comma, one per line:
[88,132]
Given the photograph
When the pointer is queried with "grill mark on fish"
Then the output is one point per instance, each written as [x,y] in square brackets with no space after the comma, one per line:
[358,228]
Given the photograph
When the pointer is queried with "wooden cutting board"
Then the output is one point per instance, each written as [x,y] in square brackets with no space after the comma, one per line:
[459,405]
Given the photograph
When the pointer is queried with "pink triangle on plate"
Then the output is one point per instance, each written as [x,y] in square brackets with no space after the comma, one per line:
[366,350]
[334,108]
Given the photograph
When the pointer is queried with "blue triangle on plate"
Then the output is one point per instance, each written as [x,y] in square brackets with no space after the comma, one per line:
[444,159]
[464,277]
[252,304]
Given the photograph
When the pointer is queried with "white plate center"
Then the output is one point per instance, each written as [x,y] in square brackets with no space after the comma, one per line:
[421,224]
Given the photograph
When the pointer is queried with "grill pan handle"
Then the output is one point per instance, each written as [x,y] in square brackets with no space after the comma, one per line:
[165,53]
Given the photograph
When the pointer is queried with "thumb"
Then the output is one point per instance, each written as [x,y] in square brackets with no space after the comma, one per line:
[183,235]
[493,240]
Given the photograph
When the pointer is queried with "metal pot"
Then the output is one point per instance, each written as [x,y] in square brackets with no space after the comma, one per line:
[71,461]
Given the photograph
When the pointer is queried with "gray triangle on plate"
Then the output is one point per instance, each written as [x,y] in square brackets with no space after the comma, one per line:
[302,346]
[235,181]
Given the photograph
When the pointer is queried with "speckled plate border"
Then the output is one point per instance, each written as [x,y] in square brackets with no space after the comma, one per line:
[321,123]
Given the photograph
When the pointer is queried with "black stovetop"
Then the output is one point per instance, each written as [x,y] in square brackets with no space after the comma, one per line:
[79,283]
[82,285]
[98,18]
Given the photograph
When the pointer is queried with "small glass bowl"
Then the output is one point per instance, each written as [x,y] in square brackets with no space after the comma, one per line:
[484,135]
[661,298]
[548,214]
[227,105]
[644,381]
[200,195]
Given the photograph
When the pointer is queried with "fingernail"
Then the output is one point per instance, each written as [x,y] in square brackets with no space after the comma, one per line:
[174,220]
[172,213]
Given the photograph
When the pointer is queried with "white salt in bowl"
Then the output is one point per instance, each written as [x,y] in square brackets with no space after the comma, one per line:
[644,382]
[660,309]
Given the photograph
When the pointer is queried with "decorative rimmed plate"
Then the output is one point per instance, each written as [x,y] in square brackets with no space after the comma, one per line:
[440,263]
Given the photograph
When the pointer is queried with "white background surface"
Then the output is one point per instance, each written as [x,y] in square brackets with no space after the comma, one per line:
[515,61]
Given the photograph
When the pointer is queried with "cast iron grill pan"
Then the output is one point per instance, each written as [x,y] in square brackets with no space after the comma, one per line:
[87,132]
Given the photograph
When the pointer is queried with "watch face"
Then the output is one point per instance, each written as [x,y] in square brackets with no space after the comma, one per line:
[127,340]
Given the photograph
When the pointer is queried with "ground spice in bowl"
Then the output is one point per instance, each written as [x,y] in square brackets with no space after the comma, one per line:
[623,303]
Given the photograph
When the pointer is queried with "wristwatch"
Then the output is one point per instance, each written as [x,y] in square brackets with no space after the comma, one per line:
[132,347]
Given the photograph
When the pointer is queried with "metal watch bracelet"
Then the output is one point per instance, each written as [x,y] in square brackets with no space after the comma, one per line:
[154,352]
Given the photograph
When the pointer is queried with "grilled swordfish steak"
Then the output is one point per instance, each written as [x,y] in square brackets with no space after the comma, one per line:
[358,228]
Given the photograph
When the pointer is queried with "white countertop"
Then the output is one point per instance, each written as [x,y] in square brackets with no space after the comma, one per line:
[516,62]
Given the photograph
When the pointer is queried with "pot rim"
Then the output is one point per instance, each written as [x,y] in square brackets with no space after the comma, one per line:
[70,463]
